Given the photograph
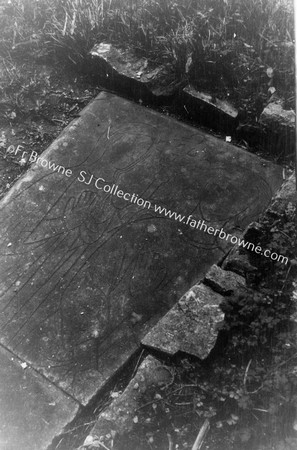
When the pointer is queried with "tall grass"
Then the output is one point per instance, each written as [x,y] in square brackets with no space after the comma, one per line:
[144,22]
[229,33]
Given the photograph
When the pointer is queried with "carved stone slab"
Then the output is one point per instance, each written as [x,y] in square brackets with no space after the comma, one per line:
[84,268]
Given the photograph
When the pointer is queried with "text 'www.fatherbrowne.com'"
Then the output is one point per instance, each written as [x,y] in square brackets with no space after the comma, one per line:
[101,184]
[187,220]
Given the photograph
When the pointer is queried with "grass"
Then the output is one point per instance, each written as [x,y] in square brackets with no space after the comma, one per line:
[228,44]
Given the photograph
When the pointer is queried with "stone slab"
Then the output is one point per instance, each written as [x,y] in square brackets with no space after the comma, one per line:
[119,417]
[32,410]
[191,326]
[222,281]
[83,272]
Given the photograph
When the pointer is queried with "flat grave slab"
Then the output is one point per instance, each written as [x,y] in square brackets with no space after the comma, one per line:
[88,263]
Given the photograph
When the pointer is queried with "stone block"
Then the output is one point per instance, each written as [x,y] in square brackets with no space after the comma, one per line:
[191,326]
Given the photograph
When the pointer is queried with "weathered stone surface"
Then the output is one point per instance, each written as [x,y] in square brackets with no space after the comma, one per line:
[276,117]
[84,271]
[118,417]
[223,281]
[32,410]
[129,74]
[210,110]
[191,326]
[280,128]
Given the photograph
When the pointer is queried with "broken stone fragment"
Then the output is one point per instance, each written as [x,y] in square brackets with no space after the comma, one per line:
[280,128]
[275,116]
[191,326]
[223,281]
[209,110]
[129,74]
